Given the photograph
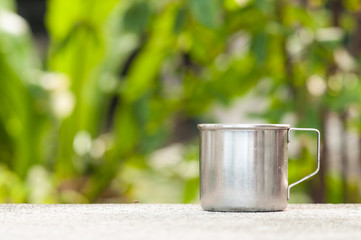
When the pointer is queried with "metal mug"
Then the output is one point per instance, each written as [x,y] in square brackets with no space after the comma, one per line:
[243,167]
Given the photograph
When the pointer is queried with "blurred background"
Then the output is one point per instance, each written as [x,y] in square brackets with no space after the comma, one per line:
[99,100]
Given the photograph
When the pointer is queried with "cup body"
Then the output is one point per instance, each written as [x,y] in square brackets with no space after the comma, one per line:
[243,167]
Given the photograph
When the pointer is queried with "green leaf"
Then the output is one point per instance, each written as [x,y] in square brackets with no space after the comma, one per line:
[61,17]
[7,4]
[259,48]
[205,12]
[147,64]
[136,17]
[191,188]
[179,20]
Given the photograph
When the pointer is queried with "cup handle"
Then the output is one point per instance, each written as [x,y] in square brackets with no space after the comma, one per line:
[318,155]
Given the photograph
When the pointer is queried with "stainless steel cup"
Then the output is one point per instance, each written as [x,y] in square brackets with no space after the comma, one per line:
[243,167]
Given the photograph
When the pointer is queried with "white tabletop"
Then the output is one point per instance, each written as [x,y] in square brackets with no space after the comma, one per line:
[176,221]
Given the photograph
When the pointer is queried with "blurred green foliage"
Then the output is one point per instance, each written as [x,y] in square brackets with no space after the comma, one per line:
[100,118]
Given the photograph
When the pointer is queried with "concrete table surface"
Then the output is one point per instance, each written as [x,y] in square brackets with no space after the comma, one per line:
[176,221]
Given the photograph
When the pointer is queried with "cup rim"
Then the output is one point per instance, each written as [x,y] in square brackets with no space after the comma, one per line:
[216,126]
